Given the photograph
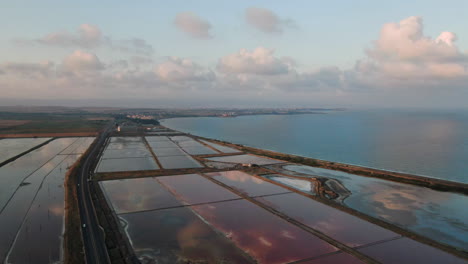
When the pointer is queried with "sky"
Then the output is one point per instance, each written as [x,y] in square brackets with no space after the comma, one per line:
[211,53]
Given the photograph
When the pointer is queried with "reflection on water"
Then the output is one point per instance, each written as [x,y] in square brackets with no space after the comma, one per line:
[40,238]
[179,162]
[10,147]
[127,164]
[156,138]
[195,189]
[164,152]
[16,209]
[298,184]
[221,148]
[246,183]
[268,238]
[340,258]
[15,172]
[434,214]
[246,158]
[405,250]
[125,153]
[139,194]
[199,150]
[178,236]
[126,145]
[346,228]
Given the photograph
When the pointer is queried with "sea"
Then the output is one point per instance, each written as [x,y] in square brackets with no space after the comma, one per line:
[431,143]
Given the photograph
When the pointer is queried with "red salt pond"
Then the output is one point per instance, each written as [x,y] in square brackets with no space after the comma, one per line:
[247,184]
[405,250]
[133,195]
[264,236]
[339,258]
[195,189]
[177,235]
[346,228]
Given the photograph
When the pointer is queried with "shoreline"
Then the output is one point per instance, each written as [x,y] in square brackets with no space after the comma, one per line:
[402,177]
[385,174]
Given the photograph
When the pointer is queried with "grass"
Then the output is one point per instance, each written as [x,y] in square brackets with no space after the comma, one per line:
[73,243]
[37,123]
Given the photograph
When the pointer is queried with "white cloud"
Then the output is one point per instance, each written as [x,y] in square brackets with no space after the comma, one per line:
[87,36]
[81,61]
[403,52]
[267,21]
[193,25]
[180,69]
[133,45]
[400,62]
[258,61]
[29,70]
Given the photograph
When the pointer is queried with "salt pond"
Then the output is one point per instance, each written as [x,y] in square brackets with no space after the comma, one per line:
[10,147]
[246,184]
[434,214]
[246,158]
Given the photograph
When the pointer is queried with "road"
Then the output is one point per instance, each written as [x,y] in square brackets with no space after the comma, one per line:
[92,233]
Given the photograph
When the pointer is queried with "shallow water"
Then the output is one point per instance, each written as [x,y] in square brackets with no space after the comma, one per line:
[125,153]
[165,152]
[298,184]
[246,158]
[125,139]
[162,144]
[221,148]
[405,250]
[339,258]
[156,138]
[195,189]
[178,236]
[14,212]
[126,145]
[10,147]
[268,238]
[179,162]
[127,164]
[13,173]
[79,146]
[199,150]
[347,229]
[140,194]
[441,216]
[246,184]
[40,237]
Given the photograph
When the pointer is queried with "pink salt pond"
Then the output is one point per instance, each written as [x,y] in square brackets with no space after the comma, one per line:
[264,236]
[247,184]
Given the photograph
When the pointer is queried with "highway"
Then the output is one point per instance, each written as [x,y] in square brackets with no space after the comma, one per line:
[92,233]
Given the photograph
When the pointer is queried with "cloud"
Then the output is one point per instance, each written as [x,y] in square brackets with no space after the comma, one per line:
[193,25]
[397,67]
[29,70]
[81,61]
[403,52]
[259,61]
[267,21]
[133,45]
[260,70]
[179,69]
[87,36]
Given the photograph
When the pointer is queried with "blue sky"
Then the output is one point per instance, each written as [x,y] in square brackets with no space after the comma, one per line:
[319,34]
